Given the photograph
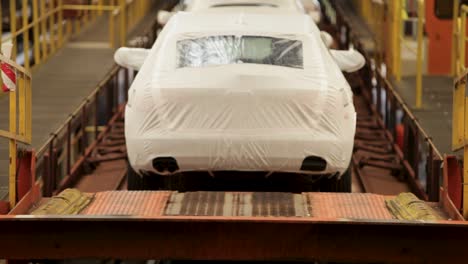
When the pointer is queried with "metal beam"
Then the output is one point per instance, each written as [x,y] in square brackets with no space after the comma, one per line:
[232,239]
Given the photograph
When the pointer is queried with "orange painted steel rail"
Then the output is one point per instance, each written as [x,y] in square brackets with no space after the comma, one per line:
[232,238]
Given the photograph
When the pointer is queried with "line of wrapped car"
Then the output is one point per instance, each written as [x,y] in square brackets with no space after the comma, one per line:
[243,90]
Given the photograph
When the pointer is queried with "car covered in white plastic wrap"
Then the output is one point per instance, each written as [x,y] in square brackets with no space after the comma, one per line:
[240,92]
[243,5]
[310,7]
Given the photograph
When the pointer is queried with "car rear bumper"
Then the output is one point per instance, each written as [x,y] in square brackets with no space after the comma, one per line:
[223,152]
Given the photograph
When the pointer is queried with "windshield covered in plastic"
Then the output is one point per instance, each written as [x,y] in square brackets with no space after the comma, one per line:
[223,50]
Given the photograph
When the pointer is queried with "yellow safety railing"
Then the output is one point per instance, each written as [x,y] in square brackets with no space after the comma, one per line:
[459,41]
[20,121]
[420,55]
[391,43]
[460,99]
[373,12]
[398,26]
[460,130]
[48,30]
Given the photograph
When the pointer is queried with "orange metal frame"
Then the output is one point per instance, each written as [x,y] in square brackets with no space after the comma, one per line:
[439,33]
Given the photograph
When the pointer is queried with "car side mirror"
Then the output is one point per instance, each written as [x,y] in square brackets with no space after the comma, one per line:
[131,58]
[326,38]
[164,16]
[348,60]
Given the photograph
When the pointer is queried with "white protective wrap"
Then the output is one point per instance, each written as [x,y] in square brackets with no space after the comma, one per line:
[262,6]
[247,93]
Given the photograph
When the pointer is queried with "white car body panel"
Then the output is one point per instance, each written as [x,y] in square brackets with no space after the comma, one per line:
[241,117]
[278,6]
[310,7]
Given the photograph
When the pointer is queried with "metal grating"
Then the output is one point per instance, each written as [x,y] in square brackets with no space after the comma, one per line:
[239,204]
[347,205]
[236,204]
[128,204]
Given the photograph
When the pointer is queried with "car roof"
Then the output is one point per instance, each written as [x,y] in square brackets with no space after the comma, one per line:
[251,5]
[290,24]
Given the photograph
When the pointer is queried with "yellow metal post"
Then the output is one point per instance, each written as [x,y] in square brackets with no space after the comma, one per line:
[460,105]
[419,74]
[77,26]
[44,30]
[139,9]
[60,22]
[13,27]
[36,43]
[397,38]
[123,22]
[26,35]
[112,26]
[21,91]
[85,17]
[130,14]
[52,27]
[69,30]
[100,4]
[28,113]
[13,150]
[12,141]
[462,43]
[458,121]
[23,117]
[93,13]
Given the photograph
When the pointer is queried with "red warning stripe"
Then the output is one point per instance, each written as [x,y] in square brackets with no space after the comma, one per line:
[8,77]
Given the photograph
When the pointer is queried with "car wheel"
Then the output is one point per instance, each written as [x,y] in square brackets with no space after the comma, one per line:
[340,185]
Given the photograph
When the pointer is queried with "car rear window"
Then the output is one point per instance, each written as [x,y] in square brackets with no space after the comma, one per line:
[223,50]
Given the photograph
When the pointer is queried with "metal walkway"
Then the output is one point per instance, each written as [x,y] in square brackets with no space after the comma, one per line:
[62,83]
[436,114]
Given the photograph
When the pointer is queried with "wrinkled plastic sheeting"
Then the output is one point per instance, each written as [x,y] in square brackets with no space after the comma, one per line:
[228,108]
[223,50]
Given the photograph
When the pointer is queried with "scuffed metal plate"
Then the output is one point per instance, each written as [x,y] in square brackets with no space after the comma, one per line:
[129,203]
[348,205]
[240,204]
[236,204]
